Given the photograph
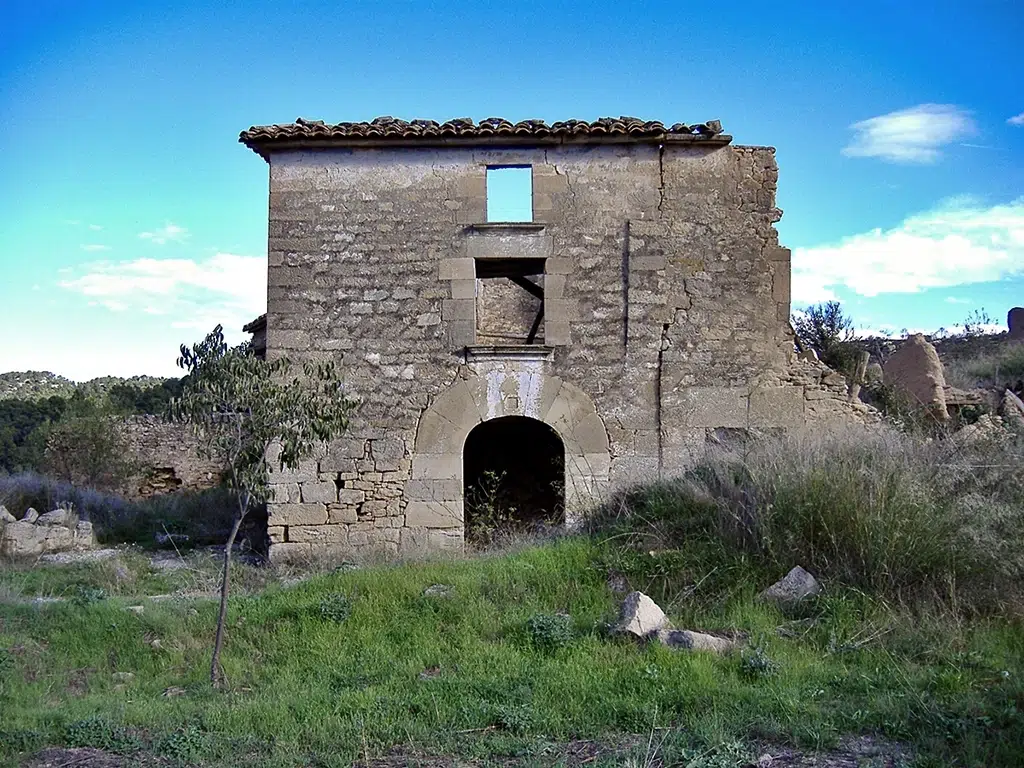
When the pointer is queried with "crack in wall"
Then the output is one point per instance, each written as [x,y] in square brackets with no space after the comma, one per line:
[568,183]
[661,178]
[658,384]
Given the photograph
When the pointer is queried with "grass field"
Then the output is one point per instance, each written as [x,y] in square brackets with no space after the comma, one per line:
[917,639]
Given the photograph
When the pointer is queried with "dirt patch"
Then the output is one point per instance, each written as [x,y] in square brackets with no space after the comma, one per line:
[92,758]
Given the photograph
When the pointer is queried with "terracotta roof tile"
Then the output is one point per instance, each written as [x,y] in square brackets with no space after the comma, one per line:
[390,130]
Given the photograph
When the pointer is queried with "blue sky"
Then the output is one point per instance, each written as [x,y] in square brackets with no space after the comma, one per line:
[132,221]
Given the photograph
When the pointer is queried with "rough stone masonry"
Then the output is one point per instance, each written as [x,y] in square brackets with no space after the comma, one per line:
[641,310]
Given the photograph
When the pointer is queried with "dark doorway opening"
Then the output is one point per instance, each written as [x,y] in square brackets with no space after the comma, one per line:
[514,478]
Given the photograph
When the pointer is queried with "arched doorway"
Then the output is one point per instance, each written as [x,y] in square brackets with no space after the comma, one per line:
[514,478]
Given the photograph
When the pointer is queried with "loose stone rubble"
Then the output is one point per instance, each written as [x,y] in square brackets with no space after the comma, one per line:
[56,531]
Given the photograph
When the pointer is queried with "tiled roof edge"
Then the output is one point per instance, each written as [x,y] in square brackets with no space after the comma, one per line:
[390,130]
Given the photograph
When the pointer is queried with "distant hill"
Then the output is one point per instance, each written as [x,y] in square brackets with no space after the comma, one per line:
[38,385]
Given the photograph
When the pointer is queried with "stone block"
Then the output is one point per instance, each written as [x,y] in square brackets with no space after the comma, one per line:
[488,245]
[458,309]
[457,269]
[290,553]
[777,407]
[322,534]
[296,514]
[433,514]
[451,541]
[436,465]
[706,407]
[323,493]
[342,513]
[351,496]
[463,289]
[413,541]
[433,490]
[276,533]
[461,333]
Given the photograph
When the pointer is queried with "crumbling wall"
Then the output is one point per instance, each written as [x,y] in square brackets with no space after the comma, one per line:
[166,454]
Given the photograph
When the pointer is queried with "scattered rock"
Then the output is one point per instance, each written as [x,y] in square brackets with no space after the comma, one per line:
[30,515]
[1012,410]
[174,690]
[684,639]
[987,427]
[5,516]
[809,355]
[439,590]
[430,673]
[795,586]
[57,517]
[640,616]
[137,609]
[916,371]
[88,556]
[170,538]
[1015,322]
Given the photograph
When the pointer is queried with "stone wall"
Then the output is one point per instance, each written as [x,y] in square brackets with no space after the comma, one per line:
[167,454]
[666,307]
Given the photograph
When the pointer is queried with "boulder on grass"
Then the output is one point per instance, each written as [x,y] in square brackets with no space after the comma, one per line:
[1012,410]
[684,639]
[794,587]
[640,616]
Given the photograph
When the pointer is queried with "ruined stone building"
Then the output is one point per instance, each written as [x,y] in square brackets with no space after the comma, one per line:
[636,308]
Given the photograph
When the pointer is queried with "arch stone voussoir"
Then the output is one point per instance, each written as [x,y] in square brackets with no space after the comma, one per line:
[506,390]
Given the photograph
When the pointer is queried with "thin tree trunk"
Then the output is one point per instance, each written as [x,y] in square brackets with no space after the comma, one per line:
[216,673]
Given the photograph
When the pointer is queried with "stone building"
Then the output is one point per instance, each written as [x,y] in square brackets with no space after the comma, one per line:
[636,308]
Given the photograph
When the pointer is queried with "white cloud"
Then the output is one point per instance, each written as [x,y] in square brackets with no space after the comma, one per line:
[955,300]
[959,243]
[95,247]
[911,135]
[165,234]
[1016,119]
[95,227]
[197,294]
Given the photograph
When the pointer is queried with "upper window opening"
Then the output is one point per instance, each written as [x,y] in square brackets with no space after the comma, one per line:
[509,193]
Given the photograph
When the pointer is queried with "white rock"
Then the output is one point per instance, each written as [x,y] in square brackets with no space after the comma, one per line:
[684,639]
[5,516]
[30,516]
[795,586]
[640,616]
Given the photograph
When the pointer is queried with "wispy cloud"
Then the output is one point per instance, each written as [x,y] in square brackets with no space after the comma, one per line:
[94,247]
[1016,119]
[95,227]
[226,288]
[912,135]
[958,243]
[166,234]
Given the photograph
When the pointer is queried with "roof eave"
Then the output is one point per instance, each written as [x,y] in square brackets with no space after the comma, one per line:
[265,147]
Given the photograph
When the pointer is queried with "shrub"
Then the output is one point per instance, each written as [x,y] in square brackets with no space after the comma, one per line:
[882,513]
[825,329]
[89,451]
[549,632]
[335,607]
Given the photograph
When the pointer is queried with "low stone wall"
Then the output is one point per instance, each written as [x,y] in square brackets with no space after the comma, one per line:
[35,534]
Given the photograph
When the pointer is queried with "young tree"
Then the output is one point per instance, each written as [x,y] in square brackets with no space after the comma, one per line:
[239,405]
[825,329]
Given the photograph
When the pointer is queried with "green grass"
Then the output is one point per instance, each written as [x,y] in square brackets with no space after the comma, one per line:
[999,367]
[464,675]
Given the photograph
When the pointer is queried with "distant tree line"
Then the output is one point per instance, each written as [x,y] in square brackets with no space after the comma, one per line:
[26,425]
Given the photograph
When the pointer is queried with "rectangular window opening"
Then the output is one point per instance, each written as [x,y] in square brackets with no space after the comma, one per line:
[510,302]
[509,193]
